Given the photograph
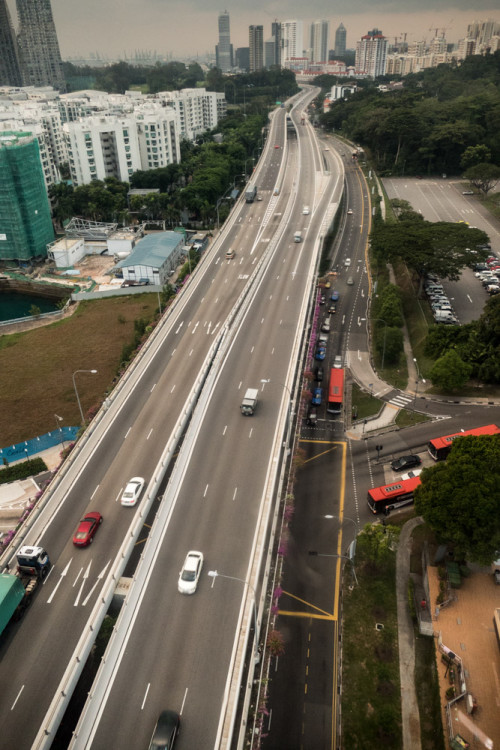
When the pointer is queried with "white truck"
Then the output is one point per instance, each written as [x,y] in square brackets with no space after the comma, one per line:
[249,402]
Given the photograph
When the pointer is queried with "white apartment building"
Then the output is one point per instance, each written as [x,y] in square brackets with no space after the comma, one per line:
[198,110]
[371,54]
[292,38]
[109,146]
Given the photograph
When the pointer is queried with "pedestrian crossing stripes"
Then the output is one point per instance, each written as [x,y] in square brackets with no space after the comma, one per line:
[400,401]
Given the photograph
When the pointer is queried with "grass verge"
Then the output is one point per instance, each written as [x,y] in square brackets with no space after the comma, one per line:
[363,404]
[406,418]
[371,695]
[37,366]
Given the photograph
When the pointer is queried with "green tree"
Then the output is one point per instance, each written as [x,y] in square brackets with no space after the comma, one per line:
[484,177]
[460,499]
[441,247]
[450,372]
[394,344]
[473,155]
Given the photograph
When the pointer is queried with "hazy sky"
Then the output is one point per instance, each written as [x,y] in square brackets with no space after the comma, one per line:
[189,27]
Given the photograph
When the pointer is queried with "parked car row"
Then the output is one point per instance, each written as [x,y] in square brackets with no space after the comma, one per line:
[439,302]
[489,274]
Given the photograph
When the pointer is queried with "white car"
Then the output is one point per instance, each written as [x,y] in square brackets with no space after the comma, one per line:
[349,211]
[411,474]
[347,262]
[306,210]
[190,573]
[132,491]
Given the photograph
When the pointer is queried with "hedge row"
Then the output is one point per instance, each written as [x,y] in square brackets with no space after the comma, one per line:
[22,470]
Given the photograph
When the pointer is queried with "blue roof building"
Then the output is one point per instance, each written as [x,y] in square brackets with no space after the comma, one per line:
[153,258]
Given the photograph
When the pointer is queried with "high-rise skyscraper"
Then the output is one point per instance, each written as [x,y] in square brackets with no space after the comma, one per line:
[371,54]
[293,39]
[276,33]
[340,41]
[223,50]
[10,71]
[319,41]
[38,46]
[256,44]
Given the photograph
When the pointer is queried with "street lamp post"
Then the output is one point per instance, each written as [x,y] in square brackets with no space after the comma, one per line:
[416,387]
[58,426]
[385,335]
[76,391]
[215,574]
[290,402]
[314,553]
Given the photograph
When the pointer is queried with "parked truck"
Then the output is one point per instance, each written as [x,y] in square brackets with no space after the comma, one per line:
[17,589]
[249,402]
[250,193]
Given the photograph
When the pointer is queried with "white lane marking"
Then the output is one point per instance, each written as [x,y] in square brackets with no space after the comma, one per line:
[288,297]
[152,389]
[49,600]
[343,319]
[116,498]
[250,433]
[149,433]
[145,696]
[126,434]
[224,430]
[77,578]
[172,389]
[17,698]
[217,299]
[180,326]
[469,298]
[173,352]
[262,320]
[241,383]
[99,578]
[281,321]
[92,496]
[272,350]
[185,694]
[206,490]
[192,350]
[85,576]
[251,350]
[234,493]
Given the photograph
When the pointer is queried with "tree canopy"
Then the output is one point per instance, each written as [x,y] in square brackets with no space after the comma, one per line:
[438,247]
[460,499]
[431,123]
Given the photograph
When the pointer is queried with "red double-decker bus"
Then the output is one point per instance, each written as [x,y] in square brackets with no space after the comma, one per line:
[440,447]
[335,391]
[391,496]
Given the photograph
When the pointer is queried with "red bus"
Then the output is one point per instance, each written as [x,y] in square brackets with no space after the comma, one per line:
[440,447]
[335,391]
[390,496]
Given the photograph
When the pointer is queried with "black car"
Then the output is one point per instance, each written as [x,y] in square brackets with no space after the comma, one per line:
[405,462]
[319,374]
[166,730]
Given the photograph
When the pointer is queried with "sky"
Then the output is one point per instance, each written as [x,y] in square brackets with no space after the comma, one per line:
[188,28]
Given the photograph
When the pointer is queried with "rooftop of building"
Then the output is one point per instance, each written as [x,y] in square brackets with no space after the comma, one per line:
[153,250]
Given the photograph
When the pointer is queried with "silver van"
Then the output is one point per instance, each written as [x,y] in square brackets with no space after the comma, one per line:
[297,237]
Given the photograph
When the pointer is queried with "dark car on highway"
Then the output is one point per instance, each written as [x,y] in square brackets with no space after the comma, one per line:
[166,730]
[405,462]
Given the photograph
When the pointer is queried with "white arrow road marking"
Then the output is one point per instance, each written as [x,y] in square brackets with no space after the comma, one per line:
[99,578]
[49,600]
[85,576]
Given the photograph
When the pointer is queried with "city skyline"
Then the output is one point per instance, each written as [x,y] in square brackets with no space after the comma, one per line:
[149,27]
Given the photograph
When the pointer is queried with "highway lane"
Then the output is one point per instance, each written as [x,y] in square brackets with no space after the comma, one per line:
[37,650]
[216,511]
[303,681]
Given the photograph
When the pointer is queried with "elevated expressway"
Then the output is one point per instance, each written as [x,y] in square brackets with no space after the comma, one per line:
[246,313]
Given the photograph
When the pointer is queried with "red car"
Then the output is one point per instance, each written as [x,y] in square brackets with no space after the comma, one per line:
[86,529]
